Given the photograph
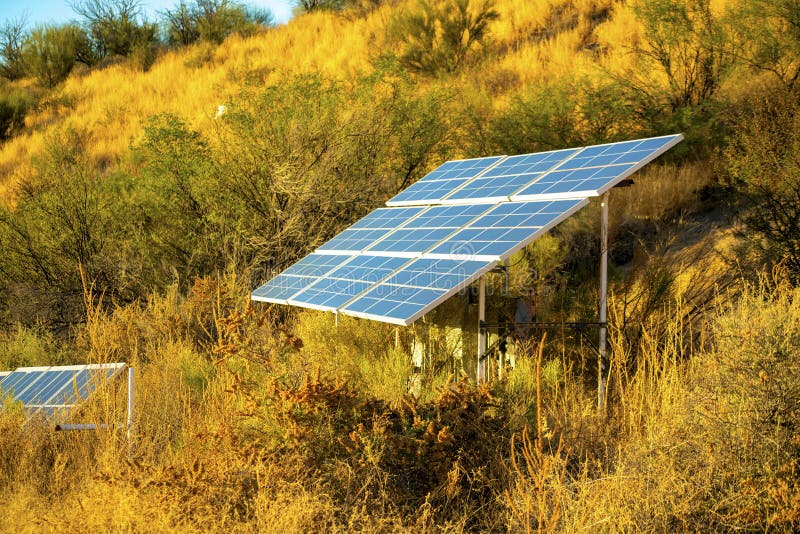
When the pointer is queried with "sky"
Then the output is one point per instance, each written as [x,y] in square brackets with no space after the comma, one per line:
[46,11]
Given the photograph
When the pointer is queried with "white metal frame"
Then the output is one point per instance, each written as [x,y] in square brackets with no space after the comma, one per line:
[601,357]
[128,424]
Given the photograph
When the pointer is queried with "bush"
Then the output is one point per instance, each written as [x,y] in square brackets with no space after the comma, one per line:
[762,155]
[438,35]
[14,105]
[12,35]
[50,52]
[116,27]
[213,21]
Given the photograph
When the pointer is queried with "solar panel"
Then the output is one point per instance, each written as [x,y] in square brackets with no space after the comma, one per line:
[333,290]
[427,229]
[505,229]
[433,187]
[48,390]
[298,277]
[596,169]
[452,226]
[369,229]
[508,177]
[416,289]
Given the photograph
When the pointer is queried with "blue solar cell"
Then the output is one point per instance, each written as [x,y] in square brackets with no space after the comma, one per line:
[11,380]
[77,387]
[346,282]
[509,176]
[415,288]
[25,381]
[428,228]
[506,228]
[298,277]
[44,386]
[441,182]
[371,228]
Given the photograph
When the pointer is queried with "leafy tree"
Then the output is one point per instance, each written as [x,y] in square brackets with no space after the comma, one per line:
[181,25]
[217,19]
[767,36]
[12,36]
[439,34]
[213,20]
[116,27]
[64,221]
[50,52]
[685,42]
[764,164]
[317,5]
[14,105]
[562,114]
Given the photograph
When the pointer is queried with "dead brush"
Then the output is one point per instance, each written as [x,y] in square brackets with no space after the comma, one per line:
[539,480]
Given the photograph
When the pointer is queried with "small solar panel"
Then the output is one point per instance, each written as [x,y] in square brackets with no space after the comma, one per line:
[433,187]
[369,229]
[595,169]
[49,390]
[505,229]
[416,289]
[508,177]
[426,229]
[339,286]
[298,277]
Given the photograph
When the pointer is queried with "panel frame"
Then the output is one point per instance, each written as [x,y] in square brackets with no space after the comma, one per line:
[435,202]
[356,252]
[520,245]
[271,300]
[410,226]
[77,398]
[448,201]
[446,294]
[320,307]
[569,195]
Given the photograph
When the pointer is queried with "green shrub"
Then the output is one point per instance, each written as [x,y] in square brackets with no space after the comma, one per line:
[438,35]
[14,105]
[50,52]
[762,162]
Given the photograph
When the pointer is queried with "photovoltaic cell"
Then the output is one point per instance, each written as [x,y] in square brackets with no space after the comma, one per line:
[298,277]
[371,228]
[336,288]
[508,176]
[436,185]
[595,169]
[415,288]
[427,229]
[505,229]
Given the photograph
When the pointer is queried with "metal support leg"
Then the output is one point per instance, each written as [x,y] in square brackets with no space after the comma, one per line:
[129,420]
[601,359]
[481,373]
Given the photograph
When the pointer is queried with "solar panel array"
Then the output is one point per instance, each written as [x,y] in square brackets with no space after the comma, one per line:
[51,390]
[452,226]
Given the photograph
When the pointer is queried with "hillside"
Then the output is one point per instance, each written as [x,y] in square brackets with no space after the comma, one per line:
[141,200]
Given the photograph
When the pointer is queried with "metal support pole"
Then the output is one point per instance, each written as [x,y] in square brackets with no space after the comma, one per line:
[481,374]
[601,359]
[397,338]
[129,420]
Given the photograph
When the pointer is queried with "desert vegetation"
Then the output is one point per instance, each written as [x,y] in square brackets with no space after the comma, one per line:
[152,173]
